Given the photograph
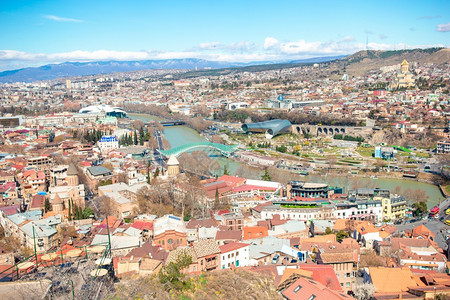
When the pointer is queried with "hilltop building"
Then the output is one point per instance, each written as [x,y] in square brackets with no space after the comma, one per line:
[403,78]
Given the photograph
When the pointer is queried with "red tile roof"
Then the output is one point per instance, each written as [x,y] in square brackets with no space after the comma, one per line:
[304,288]
[229,235]
[232,246]
[324,274]
[254,232]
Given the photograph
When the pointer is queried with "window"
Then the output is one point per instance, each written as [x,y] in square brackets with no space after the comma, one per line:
[170,241]
[312,297]
[228,255]
[232,254]
[297,288]
[347,275]
[237,253]
[201,262]
[347,284]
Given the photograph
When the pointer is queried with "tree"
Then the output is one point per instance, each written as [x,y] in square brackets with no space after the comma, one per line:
[143,198]
[156,174]
[331,160]
[397,190]
[47,205]
[87,213]
[266,176]
[420,208]
[135,137]
[417,195]
[364,291]
[171,275]
[328,230]
[107,206]
[70,210]
[225,170]
[340,235]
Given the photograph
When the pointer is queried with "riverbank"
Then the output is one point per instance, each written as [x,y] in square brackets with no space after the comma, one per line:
[181,135]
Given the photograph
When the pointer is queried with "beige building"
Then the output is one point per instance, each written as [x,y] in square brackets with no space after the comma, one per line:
[173,166]
[342,263]
[404,78]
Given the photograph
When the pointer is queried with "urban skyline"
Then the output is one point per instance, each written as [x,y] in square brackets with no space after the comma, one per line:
[52,32]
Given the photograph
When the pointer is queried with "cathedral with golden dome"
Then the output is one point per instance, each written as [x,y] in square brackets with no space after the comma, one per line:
[403,78]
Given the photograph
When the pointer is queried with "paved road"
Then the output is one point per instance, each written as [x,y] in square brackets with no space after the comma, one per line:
[158,157]
[435,225]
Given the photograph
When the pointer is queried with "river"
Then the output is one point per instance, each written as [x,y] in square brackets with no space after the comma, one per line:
[181,135]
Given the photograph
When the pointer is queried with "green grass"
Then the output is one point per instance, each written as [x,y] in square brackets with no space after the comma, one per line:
[447,189]
[366,151]
[297,206]
[350,161]
[422,154]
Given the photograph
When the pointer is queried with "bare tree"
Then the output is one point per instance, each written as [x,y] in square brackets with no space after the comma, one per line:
[107,207]
[331,161]
[138,124]
[397,190]
[144,200]
[364,291]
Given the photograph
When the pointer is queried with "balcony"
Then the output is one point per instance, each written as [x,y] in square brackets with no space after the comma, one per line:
[211,263]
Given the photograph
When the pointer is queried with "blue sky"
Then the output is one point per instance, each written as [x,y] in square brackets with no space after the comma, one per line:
[40,32]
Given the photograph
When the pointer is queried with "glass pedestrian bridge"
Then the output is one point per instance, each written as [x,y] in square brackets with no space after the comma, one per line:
[225,150]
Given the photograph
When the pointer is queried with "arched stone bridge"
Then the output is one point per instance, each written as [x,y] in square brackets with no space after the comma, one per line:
[321,130]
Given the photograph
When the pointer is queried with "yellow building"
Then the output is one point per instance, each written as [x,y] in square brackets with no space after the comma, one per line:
[394,207]
[404,78]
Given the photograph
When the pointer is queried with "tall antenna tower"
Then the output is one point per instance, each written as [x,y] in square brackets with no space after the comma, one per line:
[367,42]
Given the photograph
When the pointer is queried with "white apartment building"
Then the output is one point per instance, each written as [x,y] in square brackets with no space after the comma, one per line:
[237,254]
[108,143]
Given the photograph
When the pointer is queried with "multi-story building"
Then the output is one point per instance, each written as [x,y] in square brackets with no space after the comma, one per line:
[306,190]
[343,265]
[371,210]
[394,207]
[108,143]
[208,254]
[443,147]
[293,210]
[234,254]
[169,232]
[233,221]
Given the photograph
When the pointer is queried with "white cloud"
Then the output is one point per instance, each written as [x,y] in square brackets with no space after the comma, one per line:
[210,45]
[244,51]
[445,27]
[347,38]
[270,43]
[62,19]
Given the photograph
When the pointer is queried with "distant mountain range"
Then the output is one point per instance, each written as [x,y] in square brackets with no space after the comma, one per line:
[355,64]
[69,69]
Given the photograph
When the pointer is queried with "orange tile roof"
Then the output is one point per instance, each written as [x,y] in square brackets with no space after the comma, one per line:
[391,280]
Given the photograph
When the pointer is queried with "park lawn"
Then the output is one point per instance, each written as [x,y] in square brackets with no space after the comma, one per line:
[447,189]
[424,155]
[366,151]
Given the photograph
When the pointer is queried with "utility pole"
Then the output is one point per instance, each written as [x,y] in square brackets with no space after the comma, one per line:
[109,237]
[34,242]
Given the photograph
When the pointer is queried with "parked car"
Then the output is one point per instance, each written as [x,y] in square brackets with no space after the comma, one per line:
[275,258]
[447,222]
